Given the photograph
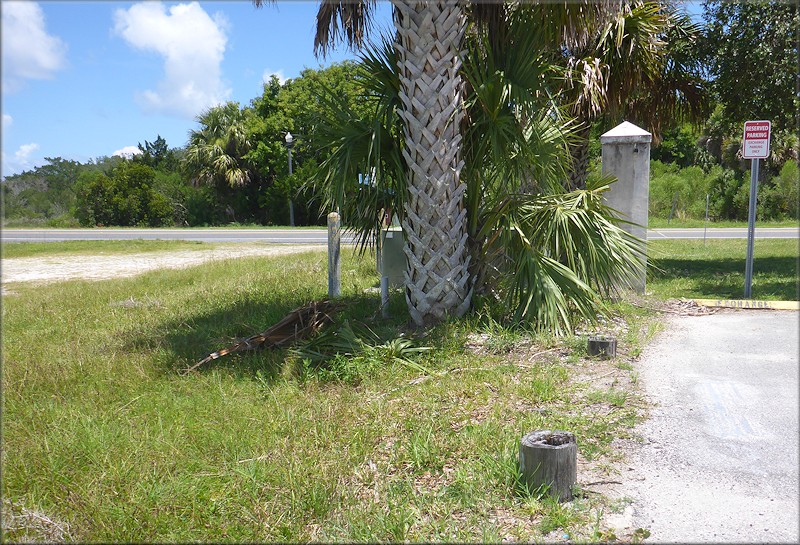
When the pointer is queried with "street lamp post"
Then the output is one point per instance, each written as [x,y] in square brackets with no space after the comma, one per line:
[289,141]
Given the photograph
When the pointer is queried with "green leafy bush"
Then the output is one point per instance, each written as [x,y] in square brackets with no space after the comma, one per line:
[124,198]
[728,191]
[686,187]
[788,184]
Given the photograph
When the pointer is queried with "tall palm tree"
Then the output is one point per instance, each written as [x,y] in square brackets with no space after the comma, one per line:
[547,256]
[428,43]
[215,153]
[632,66]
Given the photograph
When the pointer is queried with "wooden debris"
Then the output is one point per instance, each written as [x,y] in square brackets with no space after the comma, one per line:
[298,324]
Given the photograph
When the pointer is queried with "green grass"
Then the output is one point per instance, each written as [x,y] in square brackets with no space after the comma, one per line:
[716,269]
[98,247]
[103,435]
[661,223]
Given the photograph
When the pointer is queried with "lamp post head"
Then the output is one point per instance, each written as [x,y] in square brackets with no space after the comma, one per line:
[289,139]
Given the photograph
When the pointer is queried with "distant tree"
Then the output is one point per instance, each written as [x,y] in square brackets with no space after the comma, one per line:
[157,155]
[751,51]
[95,192]
[46,192]
[216,152]
[296,106]
[125,197]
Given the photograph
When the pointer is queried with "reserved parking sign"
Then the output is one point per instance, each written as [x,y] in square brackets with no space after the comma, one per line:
[756,139]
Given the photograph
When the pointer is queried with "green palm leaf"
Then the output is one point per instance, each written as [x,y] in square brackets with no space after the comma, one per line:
[556,255]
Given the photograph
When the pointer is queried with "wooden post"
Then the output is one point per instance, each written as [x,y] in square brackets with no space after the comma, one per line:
[334,259]
[548,461]
[605,347]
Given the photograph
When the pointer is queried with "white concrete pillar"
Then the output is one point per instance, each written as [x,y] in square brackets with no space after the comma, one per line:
[626,155]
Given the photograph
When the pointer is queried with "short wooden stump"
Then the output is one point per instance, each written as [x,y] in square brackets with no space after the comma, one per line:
[548,461]
[605,347]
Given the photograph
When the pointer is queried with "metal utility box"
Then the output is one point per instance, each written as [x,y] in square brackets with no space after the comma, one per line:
[393,258]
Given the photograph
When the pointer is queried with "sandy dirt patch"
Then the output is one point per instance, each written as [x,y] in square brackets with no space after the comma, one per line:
[101,267]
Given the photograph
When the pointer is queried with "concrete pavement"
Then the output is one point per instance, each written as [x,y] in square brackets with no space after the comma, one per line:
[719,461]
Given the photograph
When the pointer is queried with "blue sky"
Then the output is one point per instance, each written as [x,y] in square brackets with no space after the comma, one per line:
[82,80]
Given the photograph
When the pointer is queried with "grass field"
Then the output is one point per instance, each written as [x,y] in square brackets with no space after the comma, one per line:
[716,269]
[95,247]
[661,223]
[105,440]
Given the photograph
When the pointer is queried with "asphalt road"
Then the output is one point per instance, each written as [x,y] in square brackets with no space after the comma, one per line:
[719,462]
[313,236]
[272,236]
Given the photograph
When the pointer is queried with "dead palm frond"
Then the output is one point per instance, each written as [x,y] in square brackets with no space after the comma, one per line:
[299,324]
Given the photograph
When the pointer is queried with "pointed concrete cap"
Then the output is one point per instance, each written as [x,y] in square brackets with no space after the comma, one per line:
[626,133]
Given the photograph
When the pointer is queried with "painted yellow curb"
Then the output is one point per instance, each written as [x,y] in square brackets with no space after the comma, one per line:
[748,303]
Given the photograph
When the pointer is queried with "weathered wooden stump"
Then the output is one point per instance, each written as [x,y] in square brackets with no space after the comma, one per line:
[605,347]
[548,461]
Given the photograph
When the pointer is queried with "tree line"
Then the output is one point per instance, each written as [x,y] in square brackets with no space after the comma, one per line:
[234,168]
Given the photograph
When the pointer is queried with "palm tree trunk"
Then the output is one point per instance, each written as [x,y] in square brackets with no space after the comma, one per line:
[429,37]
[579,167]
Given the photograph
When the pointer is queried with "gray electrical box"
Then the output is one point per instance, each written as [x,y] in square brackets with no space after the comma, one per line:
[393,258]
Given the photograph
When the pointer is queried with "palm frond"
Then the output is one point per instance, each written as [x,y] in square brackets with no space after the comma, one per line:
[355,339]
[364,172]
[513,133]
[556,255]
[342,19]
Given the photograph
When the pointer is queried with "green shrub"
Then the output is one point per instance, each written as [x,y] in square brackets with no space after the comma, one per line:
[788,183]
[725,186]
[686,187]
[125,198]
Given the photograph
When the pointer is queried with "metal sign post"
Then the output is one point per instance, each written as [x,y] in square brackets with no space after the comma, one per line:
[755,146]
[751,229]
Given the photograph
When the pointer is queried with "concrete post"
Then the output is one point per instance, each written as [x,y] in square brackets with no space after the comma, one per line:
[626,155]
[334,255]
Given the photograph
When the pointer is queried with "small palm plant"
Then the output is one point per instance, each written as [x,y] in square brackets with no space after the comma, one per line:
[350,350]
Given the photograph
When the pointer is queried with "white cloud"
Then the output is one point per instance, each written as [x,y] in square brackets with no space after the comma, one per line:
[192,45]
[24,152]
[7,120]
[29,52]
[127,152]
[20,160]
[265,77]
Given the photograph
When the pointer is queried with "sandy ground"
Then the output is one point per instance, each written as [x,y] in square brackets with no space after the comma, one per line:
[101,267]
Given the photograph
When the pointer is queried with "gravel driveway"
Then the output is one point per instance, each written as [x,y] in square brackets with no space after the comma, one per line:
[100,267]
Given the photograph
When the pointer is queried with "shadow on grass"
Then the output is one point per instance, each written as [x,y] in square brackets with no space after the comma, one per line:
[724,278]
[196,336]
